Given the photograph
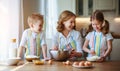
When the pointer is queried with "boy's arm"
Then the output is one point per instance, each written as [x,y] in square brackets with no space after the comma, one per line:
[44,50]
[20,51]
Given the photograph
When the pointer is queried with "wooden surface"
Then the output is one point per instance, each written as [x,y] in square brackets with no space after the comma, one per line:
[58,66]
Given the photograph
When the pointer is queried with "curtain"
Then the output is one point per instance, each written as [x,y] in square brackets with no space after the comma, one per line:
[11,24]
[51,18]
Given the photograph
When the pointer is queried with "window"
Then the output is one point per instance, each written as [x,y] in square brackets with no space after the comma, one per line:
[51,18]
[11,24]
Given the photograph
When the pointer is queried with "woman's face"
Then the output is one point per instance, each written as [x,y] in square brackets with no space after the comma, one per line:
[96,25]
[69,24]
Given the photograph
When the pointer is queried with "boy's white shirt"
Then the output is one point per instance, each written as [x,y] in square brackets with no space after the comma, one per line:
[25,37]
[104,40]
[64,41]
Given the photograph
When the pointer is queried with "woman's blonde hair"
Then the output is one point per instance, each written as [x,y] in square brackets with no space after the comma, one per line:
[64,16]
[34,18]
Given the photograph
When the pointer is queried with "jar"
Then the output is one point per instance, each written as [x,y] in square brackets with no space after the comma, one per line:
[13,48]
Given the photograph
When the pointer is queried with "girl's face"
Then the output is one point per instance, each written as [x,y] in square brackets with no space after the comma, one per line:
[69,24]
[37,26]
[96,25]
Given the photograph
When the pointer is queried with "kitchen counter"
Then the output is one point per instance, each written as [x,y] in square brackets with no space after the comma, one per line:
[58,66]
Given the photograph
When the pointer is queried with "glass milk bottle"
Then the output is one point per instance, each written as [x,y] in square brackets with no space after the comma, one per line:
[13,49]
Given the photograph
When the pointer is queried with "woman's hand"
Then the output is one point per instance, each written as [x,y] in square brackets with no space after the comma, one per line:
[75,54]
[55,48]
[72,54]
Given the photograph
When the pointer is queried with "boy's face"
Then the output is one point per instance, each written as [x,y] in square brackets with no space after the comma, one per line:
[69,24]
[37,26]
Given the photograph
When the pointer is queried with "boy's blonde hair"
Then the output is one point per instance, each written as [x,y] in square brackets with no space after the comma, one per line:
[34,18]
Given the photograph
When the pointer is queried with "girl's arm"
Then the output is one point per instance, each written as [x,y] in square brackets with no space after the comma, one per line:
[108,51]
[85,46]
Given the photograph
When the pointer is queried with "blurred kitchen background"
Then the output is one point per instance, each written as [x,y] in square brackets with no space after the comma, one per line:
[14,13]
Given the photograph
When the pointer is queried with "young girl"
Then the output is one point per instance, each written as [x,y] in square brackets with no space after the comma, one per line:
[66,37]
[33,38]
[99,39]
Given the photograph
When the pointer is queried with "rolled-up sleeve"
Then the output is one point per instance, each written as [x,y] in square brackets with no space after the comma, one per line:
[23,39]
[78,42]
[43,42]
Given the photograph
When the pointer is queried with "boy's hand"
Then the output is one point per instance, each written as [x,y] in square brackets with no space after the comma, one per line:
[46,58]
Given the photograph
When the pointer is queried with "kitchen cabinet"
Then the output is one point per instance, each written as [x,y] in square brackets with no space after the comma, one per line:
[118,7]
[86,7]
[104,4]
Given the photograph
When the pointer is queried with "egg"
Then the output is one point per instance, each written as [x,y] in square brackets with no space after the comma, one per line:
[81,63]
[86,64]
[50,62]
[89,63]
[76,63]
[67,62]
[64,63]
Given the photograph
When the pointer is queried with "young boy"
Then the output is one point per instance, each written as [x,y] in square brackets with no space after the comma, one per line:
[33,38]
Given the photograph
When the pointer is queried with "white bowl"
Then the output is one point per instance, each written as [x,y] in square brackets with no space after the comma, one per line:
[59,55]
[93,58]
[12,61]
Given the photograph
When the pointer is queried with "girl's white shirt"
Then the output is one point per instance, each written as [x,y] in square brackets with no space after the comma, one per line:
[104,40]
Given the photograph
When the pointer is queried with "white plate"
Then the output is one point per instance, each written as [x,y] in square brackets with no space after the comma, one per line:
[76,66]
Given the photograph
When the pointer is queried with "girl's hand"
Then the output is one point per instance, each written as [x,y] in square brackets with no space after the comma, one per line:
[92,52]
[101,59]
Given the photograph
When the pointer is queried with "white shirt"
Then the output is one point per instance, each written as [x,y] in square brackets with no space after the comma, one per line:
[104,39]
[59,39]
[25,35]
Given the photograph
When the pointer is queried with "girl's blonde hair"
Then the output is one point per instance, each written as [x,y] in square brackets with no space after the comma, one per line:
[34,18]
[98,15]
[64,16]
